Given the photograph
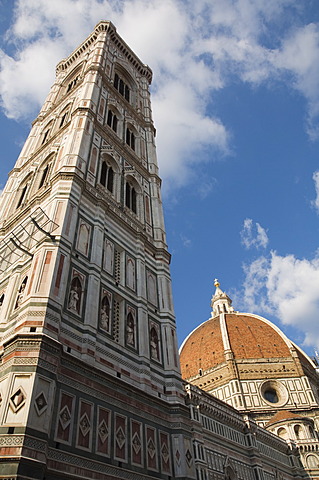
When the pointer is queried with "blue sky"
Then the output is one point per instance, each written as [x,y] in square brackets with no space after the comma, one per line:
[236,106]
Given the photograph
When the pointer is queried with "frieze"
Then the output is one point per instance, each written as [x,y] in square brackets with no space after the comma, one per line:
[75,461]
[11,440]
[47,365]
[36,444]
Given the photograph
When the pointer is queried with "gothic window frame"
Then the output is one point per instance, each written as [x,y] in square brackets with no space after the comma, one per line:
[111,185]
[112,119]
[123,85]
[71,81]
[64,116]
[43,173]
[132,195]
[47,132]
[21,195]
[107,176]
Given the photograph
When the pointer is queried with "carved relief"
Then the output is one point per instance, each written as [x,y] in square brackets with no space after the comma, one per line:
[17,400]
[103,431]
[41,403]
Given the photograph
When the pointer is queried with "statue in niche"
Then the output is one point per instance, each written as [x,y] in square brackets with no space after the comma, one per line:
[154,344]
[105,314]
[75,295]
[130,340]
[21,293]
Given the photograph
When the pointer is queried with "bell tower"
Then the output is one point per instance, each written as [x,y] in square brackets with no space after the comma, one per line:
[90,378]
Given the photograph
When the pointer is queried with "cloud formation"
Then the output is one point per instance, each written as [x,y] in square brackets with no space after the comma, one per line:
[315,202]
[286,287]
[194,49]
[253,235]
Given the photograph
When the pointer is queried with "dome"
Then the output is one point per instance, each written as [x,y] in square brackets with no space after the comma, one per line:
[247,336]
[238,345]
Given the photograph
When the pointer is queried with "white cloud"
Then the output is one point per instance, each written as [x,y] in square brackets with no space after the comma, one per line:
[253,235]
[186,241]
[194,49]
[286,287]
[315,202]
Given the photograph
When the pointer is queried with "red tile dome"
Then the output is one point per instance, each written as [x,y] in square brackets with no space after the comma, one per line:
[247,336]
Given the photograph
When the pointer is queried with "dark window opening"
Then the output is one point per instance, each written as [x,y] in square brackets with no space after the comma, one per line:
[72,84]
[130,197]
[63,119]
[122,87]
[130,138]
[271,395]
[107,177]
[23,192]
[112,120]
[45,136]
[44,175]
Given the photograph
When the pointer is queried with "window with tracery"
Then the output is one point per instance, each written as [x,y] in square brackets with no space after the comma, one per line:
[112,120]
[63,118]
[130,197]
[44,176]
[122,87]
[107,176]
[22,195]
[72,84]
[130,138]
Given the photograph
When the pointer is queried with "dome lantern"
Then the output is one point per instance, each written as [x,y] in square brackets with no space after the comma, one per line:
[220,303]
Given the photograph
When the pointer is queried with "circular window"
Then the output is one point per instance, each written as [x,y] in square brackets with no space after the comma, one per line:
[274,393]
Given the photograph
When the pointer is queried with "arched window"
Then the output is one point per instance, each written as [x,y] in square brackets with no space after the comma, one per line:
[130,138]
[130,197]
[122,87]
[64,118]
[1,300]
[112,120]
[72,84]
[282,433]
[44,176]
[107,176]
[22,195]
[312,461]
